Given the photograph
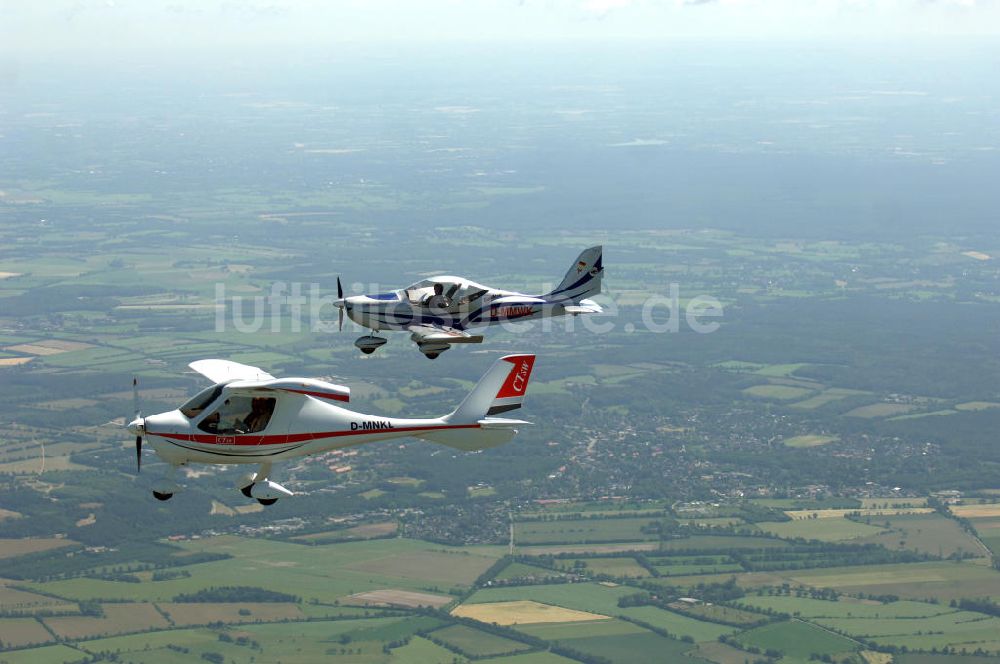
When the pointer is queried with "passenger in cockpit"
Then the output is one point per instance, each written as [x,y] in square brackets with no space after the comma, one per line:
[260,414]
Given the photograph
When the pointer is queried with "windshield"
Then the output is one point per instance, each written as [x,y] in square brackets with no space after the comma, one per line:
[193,406]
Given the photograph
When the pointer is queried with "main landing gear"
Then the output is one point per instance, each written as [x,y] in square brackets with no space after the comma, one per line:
[370,343]
[432,350]
[262,489]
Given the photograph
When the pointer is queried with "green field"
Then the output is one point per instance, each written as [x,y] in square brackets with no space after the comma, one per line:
[641,648]
[688,565]
[880,410]
[809,440]
[677,624]
[824,530]
[825,397]
[574,630]
[583,531]
[778,392]
[720,542]
[521,570]
[323,572]
[694,569]
[591,597]
[617,567]
[476,643]
[721,613]
[59,654]
[956,629]
[346,640]
[925,533]
[539,657]
[943,581]
[780,370]
[796,639]
[421,651]
[814,608]
[916,658]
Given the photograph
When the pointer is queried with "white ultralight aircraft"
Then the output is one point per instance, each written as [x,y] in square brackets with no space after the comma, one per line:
[437,312]
[251,417]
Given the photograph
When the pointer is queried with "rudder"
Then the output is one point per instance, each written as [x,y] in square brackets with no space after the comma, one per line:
[584,278]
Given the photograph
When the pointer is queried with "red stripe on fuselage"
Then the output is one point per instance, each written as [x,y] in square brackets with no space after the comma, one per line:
[255,440]
[321,395]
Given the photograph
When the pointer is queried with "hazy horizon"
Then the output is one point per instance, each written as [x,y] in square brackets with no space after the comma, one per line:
[33,28]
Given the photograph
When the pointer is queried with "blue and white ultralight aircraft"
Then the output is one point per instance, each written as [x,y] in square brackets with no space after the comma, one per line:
[250,417]
[437,312]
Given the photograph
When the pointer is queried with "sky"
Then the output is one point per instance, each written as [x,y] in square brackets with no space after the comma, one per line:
[50,26]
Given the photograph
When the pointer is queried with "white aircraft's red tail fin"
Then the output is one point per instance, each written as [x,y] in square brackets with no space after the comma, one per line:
[500,390]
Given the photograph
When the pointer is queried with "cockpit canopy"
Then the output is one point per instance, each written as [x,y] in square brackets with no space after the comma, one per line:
[239,414]
[455,289]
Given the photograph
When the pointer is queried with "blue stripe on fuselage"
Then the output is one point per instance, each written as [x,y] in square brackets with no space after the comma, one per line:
[484,315]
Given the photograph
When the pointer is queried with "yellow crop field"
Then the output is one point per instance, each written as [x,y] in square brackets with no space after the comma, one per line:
[976,511]
[523,612]
[19,547]
[397,597]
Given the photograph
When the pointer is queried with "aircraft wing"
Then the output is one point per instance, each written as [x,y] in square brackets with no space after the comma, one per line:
[426,334]
[221,371]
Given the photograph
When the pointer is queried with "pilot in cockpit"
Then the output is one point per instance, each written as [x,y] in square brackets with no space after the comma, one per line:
[211,423]
[438,300]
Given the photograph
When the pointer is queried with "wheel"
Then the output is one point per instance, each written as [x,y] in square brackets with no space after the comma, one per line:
[246,491]
[162,496]
[367,351]
[431,356]
[267,501]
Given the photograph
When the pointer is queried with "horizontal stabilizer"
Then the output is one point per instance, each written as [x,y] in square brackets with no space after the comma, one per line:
[501,423]
[583,309]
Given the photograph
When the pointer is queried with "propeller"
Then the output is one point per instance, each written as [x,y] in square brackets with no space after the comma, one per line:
[137,425]
[340,315]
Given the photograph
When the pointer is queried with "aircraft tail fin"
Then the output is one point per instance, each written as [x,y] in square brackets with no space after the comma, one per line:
[583,278]
[501,389]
